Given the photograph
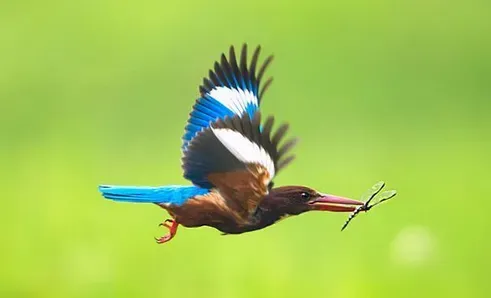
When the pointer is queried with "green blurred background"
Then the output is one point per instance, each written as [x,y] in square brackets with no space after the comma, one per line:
[99,91]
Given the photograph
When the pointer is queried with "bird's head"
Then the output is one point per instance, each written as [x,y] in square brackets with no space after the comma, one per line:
[293,200]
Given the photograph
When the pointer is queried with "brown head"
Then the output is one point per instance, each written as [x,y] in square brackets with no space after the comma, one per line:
[294,200]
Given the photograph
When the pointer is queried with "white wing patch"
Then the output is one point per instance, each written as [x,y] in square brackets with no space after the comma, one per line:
[245,150]
[234,99]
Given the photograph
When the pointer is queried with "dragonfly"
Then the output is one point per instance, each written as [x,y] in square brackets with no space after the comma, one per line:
[368,197]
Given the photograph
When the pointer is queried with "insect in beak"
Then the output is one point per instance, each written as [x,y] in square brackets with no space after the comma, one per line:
[368,197]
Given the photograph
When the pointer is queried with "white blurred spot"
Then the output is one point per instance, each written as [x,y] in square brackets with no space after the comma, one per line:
[413,246]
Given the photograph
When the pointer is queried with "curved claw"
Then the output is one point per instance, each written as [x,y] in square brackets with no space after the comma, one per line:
[162,239]
[167,223]
[172,226]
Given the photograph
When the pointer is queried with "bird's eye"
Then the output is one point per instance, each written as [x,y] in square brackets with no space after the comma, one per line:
[305,195]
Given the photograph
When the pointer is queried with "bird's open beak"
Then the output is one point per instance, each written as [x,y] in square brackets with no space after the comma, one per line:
[334,203]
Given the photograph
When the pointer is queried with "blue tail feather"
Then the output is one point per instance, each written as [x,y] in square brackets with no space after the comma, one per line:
[172,194]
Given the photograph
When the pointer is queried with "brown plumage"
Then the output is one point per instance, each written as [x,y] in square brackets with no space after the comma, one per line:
[231,157]
[223,214]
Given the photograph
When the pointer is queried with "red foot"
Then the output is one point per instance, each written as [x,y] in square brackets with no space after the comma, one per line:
[172,226]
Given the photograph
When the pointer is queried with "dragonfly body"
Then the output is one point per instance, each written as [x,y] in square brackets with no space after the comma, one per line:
[231,157]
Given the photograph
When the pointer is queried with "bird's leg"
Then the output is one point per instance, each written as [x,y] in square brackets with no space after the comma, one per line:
[172,226]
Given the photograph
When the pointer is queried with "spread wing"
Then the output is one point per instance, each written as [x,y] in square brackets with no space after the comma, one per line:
[231,88]
[239,158]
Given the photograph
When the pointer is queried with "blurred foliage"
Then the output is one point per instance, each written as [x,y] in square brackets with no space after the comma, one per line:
[98,92]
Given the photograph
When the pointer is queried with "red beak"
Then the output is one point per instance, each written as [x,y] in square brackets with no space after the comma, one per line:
[334,203]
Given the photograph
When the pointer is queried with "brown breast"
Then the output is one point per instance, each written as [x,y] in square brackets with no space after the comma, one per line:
[205,210]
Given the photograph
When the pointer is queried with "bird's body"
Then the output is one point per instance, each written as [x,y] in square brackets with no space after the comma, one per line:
[231,158]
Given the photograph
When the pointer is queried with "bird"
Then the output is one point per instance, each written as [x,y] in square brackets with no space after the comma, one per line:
[231,154]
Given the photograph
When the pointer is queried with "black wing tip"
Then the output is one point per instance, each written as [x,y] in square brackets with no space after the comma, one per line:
[231,51]
[223,59]
[264,66]
[225,68]
[265,87]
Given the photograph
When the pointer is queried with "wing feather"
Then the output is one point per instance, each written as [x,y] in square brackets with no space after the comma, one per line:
[231,88]
[238,158]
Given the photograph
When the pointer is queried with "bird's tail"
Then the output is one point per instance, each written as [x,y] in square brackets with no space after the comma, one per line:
[173,194]
[139,194]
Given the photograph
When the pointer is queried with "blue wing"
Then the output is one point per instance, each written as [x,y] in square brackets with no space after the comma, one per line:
[232,88]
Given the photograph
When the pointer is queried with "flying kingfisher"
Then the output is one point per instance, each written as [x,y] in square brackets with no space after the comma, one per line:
[231,154]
